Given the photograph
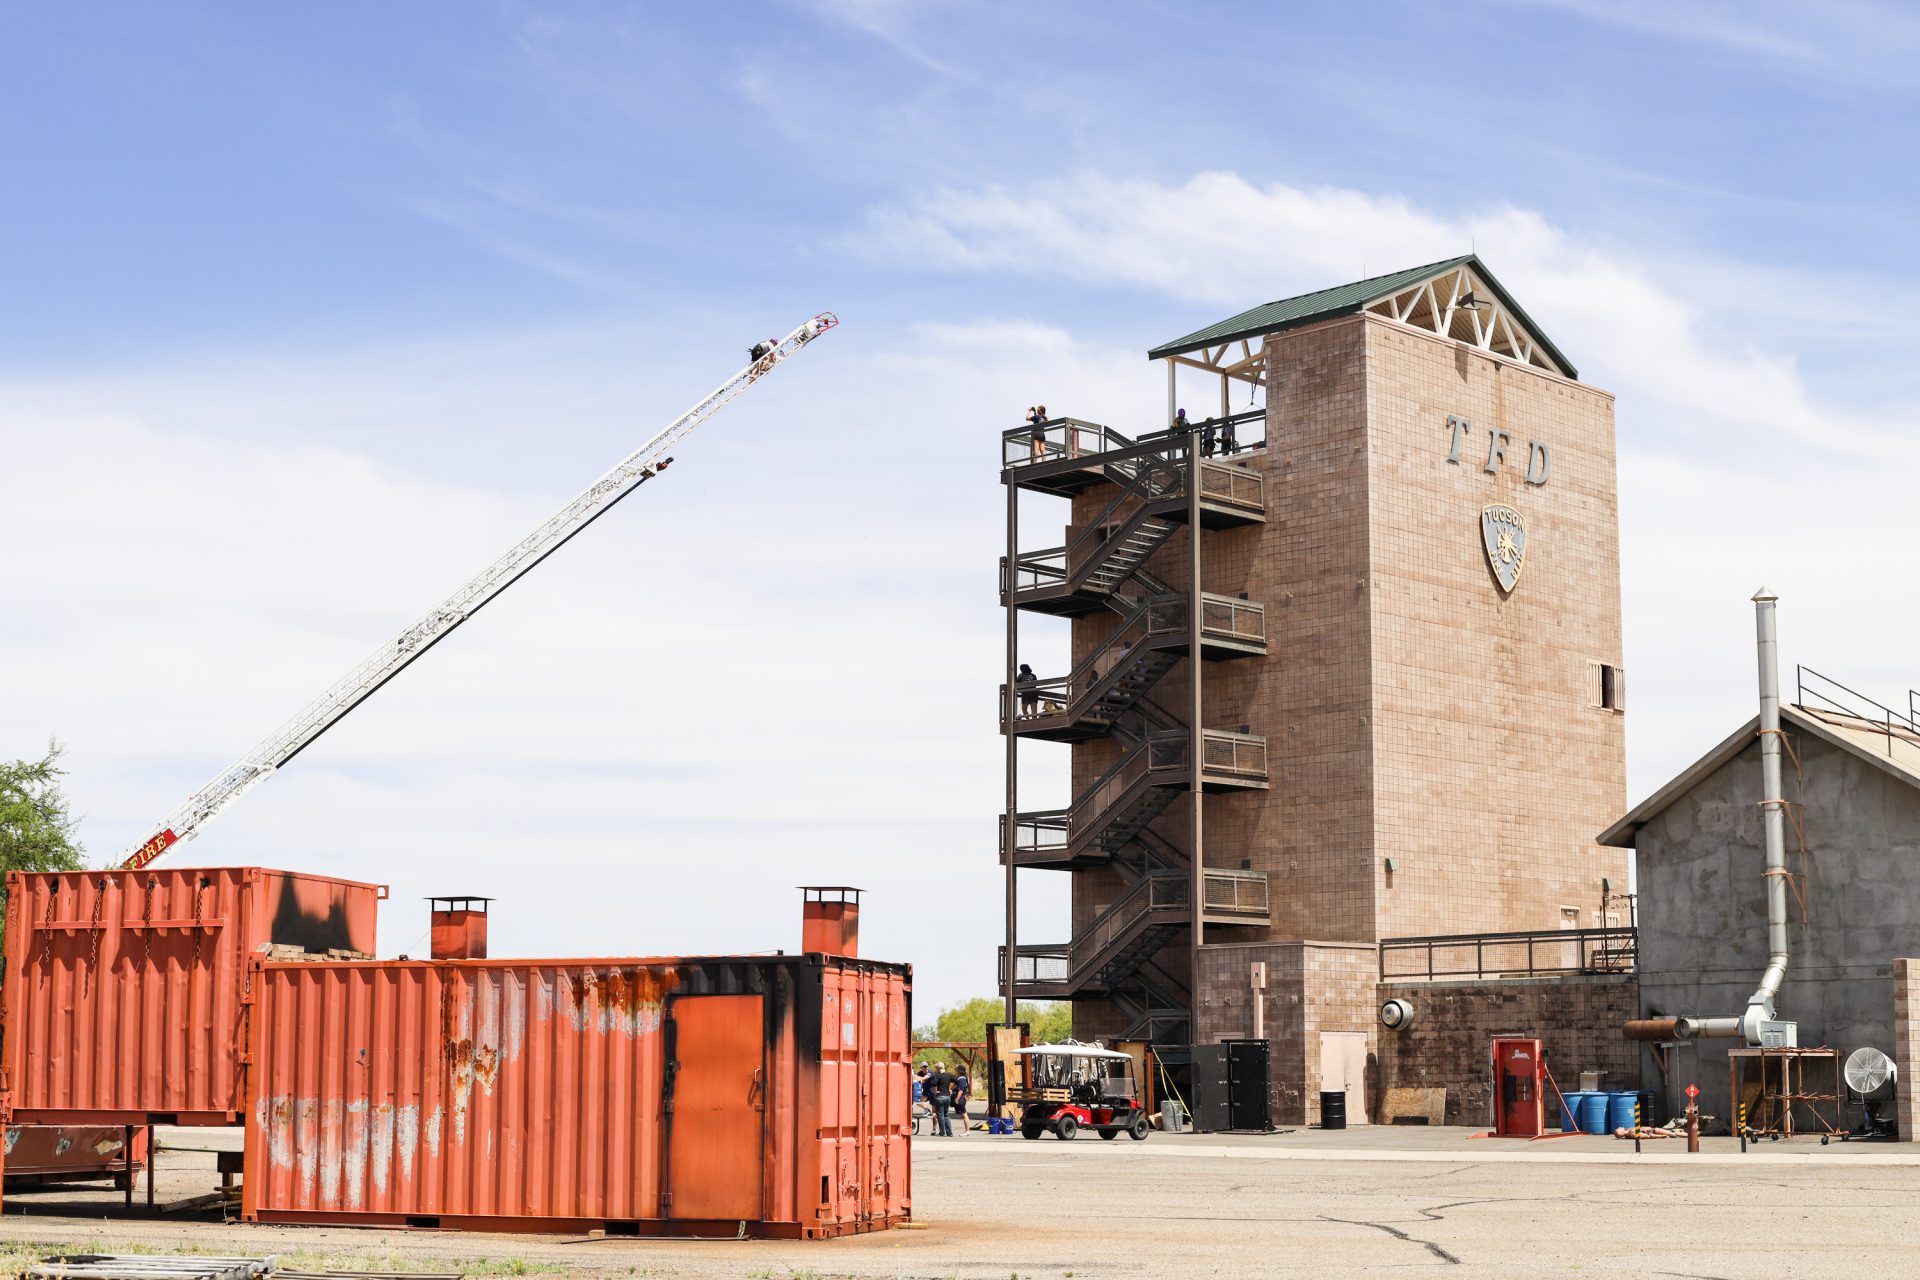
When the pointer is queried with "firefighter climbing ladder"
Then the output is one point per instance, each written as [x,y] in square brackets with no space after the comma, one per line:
[388,661]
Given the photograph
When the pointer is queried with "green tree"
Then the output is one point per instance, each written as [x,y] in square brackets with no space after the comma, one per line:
[36,831]
[1051,1021]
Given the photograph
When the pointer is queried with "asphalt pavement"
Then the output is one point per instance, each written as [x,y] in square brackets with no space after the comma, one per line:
[1364,1202]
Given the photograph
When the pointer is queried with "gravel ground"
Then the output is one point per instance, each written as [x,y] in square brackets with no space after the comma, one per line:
[1365,1203]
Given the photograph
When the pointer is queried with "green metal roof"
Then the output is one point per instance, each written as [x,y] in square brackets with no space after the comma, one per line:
[1347,299]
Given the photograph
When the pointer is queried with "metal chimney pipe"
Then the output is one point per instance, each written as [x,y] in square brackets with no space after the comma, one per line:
[1773,804]
[1760,1005]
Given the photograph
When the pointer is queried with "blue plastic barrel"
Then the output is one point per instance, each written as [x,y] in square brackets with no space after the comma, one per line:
[1620,1110]
[1593,1113]
[1570,1111]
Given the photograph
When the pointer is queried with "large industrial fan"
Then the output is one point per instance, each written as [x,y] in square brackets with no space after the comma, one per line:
[1871,1074]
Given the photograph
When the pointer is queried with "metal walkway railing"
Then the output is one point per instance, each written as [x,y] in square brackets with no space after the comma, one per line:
[1525,954]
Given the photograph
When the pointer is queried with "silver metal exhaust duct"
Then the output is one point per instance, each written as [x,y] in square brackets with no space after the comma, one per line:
[1760,1005]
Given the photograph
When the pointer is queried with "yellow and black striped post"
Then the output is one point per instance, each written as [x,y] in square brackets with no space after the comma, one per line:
[1742,1122]
[1636,1124]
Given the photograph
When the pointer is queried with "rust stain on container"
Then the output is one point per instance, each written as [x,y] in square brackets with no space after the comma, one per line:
[706,1095]
[126,991]
[40,1153]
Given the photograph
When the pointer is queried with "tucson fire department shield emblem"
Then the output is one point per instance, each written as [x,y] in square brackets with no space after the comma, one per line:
[1504,533]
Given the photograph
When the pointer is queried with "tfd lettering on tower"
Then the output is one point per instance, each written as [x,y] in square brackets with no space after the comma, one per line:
[1464,437]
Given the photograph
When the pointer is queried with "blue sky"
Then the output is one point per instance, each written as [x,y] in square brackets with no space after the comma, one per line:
[311,309]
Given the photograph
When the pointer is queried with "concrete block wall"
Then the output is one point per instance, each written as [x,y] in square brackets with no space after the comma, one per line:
[1703,931]
[1577,1019]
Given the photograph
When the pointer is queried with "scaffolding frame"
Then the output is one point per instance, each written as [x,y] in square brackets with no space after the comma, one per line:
[1784,1092]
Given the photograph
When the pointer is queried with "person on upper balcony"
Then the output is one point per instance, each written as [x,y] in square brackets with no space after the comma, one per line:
[1028,685]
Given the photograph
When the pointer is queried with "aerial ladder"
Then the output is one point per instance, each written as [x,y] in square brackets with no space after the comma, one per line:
[388,661]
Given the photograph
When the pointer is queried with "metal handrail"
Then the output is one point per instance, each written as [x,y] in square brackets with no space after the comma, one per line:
[1233,618]
[1221,617]
[1051,566]
[1237,420]
[1058,438]
[1244,892]
[1222,751]
[1056,828]
[1235,892]
[1894,726]
[1144,484]
[1512,954]
[1159,615]
[1238,485]
[1239,754]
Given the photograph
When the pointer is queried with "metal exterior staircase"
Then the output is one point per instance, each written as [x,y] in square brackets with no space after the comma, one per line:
[1119,804]
[1133,929]
[1152,636]
[1079,577]
[1156,483]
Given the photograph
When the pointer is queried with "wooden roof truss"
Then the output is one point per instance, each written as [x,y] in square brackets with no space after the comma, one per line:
[1457,304]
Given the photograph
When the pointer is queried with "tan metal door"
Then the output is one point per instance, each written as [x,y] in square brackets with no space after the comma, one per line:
[1343,1065]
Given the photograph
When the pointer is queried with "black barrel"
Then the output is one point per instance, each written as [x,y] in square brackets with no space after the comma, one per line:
[1333,1109]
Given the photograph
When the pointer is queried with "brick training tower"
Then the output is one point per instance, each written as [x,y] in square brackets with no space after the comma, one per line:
[1408,710]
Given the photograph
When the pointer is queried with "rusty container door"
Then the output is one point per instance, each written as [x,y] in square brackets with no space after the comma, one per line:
[125,992]
[865,1097]
[716,1100]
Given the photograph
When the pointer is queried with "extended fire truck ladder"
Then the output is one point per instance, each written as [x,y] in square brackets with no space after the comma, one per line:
[293,737]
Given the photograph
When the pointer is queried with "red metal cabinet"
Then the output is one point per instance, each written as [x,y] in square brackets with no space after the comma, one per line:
[1519,1088]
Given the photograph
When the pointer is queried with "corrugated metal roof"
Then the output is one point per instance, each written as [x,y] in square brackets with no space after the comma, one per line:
[1346,299]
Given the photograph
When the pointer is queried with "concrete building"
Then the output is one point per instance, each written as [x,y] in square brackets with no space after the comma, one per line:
[1409,700]
[1853,840]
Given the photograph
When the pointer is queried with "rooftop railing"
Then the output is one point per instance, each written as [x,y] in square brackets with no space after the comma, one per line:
[1058,438]
[1823,694]
[1526,954]
[1234,434]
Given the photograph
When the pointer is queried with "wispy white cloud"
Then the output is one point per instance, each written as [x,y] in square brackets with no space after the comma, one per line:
[1855,40]
[1219,238]
[891,22]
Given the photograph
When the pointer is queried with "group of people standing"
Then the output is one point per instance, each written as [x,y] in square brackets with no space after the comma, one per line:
[1216,435]
[946,1093]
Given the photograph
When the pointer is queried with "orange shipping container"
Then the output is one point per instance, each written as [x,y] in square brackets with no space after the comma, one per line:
[764,1095]
[126,991]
